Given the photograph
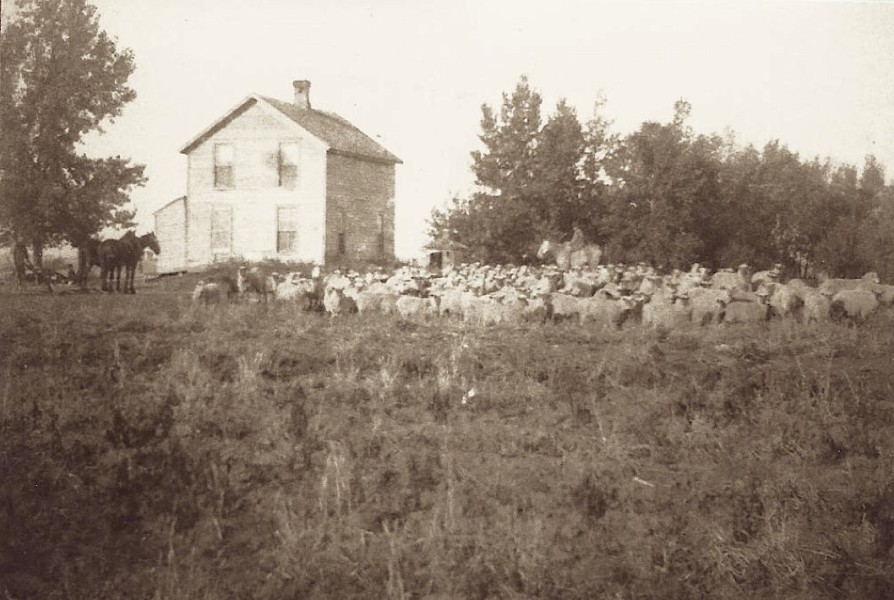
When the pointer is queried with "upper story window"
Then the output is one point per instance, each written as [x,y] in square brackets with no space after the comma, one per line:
[288,164]
[223,166]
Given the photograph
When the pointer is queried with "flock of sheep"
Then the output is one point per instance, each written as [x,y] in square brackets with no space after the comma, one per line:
[604,296]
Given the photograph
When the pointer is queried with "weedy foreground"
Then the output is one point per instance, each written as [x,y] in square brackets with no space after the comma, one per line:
[151,448]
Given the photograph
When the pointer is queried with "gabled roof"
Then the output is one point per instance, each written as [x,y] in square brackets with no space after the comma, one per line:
[174,201]
[445,244]
[337,132]
[342,136]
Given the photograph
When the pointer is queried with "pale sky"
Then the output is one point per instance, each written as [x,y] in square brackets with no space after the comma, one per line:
[819,76]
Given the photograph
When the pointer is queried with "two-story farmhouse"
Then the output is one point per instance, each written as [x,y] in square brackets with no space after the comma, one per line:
[274,179]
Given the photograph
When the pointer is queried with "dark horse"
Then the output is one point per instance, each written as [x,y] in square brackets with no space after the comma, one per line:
[125,252]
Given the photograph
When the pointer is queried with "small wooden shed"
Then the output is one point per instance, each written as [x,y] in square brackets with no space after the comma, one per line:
[446,253]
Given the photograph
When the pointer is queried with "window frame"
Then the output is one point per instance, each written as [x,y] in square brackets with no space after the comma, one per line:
[228,247]
[279,230]
[289,181]
[222,182]
[341,236]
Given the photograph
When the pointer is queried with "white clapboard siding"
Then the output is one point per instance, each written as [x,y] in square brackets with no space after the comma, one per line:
[170,229]
[256,136]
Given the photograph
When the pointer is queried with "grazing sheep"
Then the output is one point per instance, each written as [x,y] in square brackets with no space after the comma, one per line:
[483,310]
[760,295]
[547,284]
[830,286]
[784,300]
[209,293]
[884,293]
[854,304]
[336,302]
[797,284]
[381,302]
[708,305]
[536,310]
[667,310]
[565,306]
[452,303]
[294,288]
[605,312]
[228,283]
[254,280]
[745,312]
[870,277]
[512,305]
[739,280]
[765,277]
[581,288]
[651,284]
[336,280]
[684,282]
[414,306]
[817,306]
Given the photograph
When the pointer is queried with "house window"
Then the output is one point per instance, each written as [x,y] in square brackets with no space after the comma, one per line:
[286,229]
[380,238]
[288,165]
[223,166]
[342,247]
[221,229]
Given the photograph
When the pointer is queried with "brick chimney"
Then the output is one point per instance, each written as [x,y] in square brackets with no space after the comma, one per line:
[302,93]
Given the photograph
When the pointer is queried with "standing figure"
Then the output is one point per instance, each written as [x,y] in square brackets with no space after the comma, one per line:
[21,262]
[88,257]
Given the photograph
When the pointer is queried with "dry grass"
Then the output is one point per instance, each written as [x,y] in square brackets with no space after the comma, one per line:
[151,448]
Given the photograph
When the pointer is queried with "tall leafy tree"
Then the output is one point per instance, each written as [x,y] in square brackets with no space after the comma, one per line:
[872,179]
[601,151]
[534,179]
[849,245]
[495,221]
[61,77]
[506,165]
[666,183]
[558,188]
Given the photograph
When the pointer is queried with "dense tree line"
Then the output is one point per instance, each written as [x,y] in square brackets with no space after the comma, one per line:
[664,195]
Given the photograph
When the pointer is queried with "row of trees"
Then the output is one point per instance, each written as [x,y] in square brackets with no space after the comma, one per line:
[664,195]
[61,77]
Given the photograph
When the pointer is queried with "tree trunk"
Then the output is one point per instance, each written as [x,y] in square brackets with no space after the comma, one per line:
[37,255]
[37,263]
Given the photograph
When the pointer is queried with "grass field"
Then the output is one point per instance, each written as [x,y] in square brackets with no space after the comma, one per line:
[154,449]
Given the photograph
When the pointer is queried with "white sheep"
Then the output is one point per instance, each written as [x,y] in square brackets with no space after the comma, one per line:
[854,304]
[668,310]
[564,306]
[336,302]
[785,301]
[745,312]
[209,293]
[381,302]
[605,312]
[708,305]
[414,306]
[817,306]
